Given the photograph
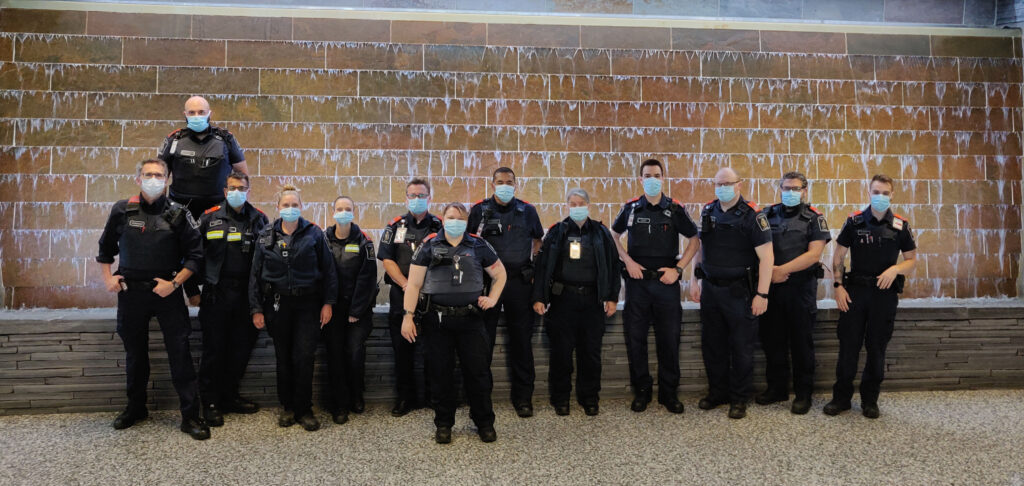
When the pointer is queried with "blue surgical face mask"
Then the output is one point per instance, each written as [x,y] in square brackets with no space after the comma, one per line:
[880,202]
[791,198]
[417,205]
[652,186]
[504,192]
[153,187]
[725,193]
[290,214]
[579,213]
[236,198]
[343,217]
[198,123]
[454,227]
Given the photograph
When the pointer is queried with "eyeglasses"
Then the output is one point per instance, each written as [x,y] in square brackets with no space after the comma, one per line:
[154,175]
[238,188]
[417,196]
[726,184]
[792,188]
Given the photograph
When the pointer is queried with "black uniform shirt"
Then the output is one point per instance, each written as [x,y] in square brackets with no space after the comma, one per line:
[875,245]
[654,245]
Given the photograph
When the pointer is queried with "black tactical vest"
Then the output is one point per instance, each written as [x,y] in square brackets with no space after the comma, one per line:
[582,270]
[148,243]
[454,271]
[200,169]
[725,244]
[651,231]
[508,232]
[413,239]
[789,233]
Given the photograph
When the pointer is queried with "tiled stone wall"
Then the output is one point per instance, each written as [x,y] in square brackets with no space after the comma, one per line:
[341,106]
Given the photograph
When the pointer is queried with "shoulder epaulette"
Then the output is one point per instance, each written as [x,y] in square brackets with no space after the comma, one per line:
[258,209]
[901,217]
[474,235]
[553,225]
[208,211]
[814,209]
[480,201]
[366,235]
[173,133]
[134,199]
[526,202]
[856,213]
[397,219]
[677,202]
[753,205]
[635,199]
[428,237]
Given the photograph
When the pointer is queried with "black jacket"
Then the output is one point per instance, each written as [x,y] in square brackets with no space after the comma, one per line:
[608,263]
[309,263]
[357,271]
[224,219]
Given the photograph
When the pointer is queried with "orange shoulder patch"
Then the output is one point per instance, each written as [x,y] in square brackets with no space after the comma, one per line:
[397,219]
[812,208]
[367,235]
[134,199]
[208,211]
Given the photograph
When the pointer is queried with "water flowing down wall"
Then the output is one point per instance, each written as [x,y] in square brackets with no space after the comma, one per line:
[357,106]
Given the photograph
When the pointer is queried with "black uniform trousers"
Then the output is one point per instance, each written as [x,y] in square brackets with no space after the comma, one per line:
[346,356]
[787,328]
[652,302]
[295,328]
[868,324]
[519,320]
[228,339]
[135,307]
[405,352]
[575,322]
[443,338]
[727,341]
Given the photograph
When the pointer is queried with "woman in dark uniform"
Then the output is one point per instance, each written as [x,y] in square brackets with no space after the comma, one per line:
[292,289]
[345,336]
[576,286]
[448,270]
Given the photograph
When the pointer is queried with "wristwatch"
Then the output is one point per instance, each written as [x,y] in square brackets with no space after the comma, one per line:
[680,271]
[759,294]
[409,312]
[836,285]
[175,284]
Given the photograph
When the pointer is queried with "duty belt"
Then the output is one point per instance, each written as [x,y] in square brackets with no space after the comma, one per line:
[232,283]
[850,278]
[457,311]
[724,282]
[296,292]
[558,288]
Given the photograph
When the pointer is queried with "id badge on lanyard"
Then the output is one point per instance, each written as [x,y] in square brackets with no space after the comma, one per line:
[575,250]
[400,234]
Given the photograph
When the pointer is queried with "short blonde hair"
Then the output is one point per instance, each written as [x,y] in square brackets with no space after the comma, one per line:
[286,190]
[461,208]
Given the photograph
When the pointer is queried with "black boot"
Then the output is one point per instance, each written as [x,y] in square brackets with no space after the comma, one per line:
[129,417]
[309,422]
[870,410]
[671,402]
[737,410]
[195,428]
[801,405]
[443,435]
[239,405]
[640,400]
[212,415]
[770,396]
[401,408]
[285,418]
[835,407]
[358,404]
[487,434]
[711,402]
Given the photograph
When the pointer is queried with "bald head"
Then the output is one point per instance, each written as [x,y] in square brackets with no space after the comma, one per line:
[197,106]
[725,175]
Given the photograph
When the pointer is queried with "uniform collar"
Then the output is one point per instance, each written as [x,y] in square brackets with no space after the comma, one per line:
[353,232]
[157,206]
[662,203]
[464,242]
[739,202]
[498,206]
[302,225]
[887,218]
[240,212]
[582,229]
[411,219]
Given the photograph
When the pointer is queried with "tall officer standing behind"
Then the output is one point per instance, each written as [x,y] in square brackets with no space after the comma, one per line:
[400,240]
[654,223]
[345,336]
[799,235]
[229,236]
[867,296]
[293,287]
[736,267]
[159,249]
[513,228]
[449,270]
[200,157]
[576,287]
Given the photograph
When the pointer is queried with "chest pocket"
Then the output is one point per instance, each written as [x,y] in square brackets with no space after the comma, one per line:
[199,167]
[652,232]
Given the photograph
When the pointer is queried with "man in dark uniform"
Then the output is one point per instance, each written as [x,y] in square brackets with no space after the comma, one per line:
[397,245]
[653,269]
[228,232]
[576,287]
[513,228]
[159,248]
[736,268]
[200,157]
[799,235]
[867,296]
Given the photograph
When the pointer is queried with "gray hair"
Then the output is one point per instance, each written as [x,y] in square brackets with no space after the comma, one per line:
[576,191]
[160,162]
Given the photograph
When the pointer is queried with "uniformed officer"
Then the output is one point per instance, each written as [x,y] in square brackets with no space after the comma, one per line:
[799,235]
[159,248]
[200,156]
[448,269]
[513,228]
[653,269]
[345,336]
[576,287]
[735,265]
[292,288]
[867,296]
[229,233]
[397,245]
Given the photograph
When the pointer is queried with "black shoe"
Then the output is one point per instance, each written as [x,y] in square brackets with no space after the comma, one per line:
[443,435]
[309,422]
[870,410]
[640,401]
[524,410]
[212,415]
[195,428]
[561,409]
[770,396]
[835,408]
[487,434]
[801,405]
[129,417]
[401,408]
[591,409]
[358,405]
[737,410]
[339,417]
[671,403]
[286,418]
[709,403]
[239,405]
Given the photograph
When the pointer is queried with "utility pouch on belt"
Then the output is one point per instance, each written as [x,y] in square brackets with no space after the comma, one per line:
[557,288]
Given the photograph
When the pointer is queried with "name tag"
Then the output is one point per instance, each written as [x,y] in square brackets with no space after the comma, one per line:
[234,236]
[400,235]
[351,248]
[575,249]
[215,235]
[188,153]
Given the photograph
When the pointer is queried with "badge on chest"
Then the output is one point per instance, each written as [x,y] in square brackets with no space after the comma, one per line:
[575,248]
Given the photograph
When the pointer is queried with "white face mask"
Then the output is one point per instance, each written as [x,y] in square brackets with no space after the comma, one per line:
[153,187]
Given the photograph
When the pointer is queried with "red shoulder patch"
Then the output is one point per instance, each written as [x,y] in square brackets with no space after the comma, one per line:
[430,236]
[812,208]
[478,202]
[208,211]
[552,226]
[258,209]
[474,235]
[367,235]
[635,199]
[856,213]
[753,205]
[134,199]
[524,201]
[901,217]
[677,201]
[172,133]
[397,219]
